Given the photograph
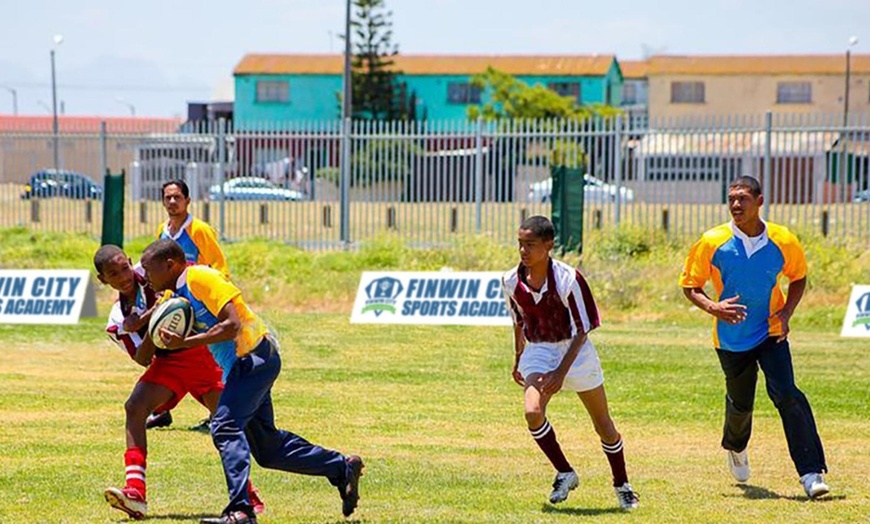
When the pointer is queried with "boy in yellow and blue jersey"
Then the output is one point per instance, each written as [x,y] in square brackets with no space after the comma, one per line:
[200,244]
[243,423]
[745,259]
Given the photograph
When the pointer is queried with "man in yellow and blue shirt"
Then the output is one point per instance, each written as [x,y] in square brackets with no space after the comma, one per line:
[745,260]
[244,421]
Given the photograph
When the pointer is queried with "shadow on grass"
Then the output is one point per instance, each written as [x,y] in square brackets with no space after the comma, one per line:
[180,516]
[586,512]
[758,493]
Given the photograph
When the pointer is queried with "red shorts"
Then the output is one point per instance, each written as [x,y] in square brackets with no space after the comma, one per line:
[191,371]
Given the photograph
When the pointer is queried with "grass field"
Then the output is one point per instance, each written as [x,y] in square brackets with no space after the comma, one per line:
[432,409]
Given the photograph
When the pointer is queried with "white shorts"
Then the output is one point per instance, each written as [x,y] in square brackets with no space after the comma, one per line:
[544,357]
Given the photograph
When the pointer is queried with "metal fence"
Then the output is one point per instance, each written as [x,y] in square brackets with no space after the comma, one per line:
[427,182]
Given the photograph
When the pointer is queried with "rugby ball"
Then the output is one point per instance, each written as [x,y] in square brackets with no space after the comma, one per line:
[175,315]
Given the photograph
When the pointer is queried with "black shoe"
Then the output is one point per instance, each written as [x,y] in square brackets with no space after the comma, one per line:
[202,426]
[350,490]
[158,420]
[234,517]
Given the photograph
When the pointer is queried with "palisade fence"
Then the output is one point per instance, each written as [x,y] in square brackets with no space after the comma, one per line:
[428,182]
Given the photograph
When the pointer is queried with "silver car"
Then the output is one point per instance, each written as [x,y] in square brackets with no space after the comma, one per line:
[594,191]
[252,188]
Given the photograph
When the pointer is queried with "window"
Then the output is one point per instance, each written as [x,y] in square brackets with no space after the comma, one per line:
[571,89]
[794,93]
[273,91]
[687,92]
[462,93]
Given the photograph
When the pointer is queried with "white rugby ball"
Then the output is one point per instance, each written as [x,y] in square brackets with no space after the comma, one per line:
[174,315]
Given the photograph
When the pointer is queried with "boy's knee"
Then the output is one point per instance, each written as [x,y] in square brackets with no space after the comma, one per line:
[134,408]
[534,418]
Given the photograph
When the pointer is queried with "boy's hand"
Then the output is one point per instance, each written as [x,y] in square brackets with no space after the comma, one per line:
[171,340]
[729,310]
[552,382]
[517,376]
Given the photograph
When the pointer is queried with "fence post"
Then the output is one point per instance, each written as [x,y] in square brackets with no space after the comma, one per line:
[454,219]
[391,217]
[219,175]
[665,220]
[34,210]
[596,219]
[344,230]
[825,222]
[617,168]
[104,165]
[264,214]
[327,216]
[143,212]
[768,132]
[478,175]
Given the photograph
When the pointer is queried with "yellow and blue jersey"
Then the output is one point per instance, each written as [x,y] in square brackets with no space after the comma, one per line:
[735,267]
[199,242]
[208,292]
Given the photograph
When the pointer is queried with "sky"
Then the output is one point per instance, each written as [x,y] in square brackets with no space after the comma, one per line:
[152,58]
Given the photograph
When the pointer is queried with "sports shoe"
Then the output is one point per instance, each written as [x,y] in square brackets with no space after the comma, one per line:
[738,463]
[628,499]
[158,420]
[564,483]
[814,485]
[256,501]
[203,426]
[128,500]
[233,517]
[350,490]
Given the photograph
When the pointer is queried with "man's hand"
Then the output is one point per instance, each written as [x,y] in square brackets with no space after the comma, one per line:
[729,310]
[517,376]
[172,340]
[551,383]
[784,316]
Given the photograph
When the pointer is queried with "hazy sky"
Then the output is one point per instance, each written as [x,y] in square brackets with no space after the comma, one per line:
[159,54]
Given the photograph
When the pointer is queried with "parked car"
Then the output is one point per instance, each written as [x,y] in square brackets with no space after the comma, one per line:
[594,191]
[252,188]
[862,196]
[65,184]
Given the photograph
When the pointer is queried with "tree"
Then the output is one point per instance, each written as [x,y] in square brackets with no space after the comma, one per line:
[512,98]
[377,93]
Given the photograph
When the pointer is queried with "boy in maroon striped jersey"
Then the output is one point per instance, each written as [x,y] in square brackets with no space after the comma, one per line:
[553,312]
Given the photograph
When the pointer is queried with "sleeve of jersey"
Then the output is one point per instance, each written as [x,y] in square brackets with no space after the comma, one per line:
[698,266]
[795,266]
[210,253]
[511,305]
[129,342]
[578,298]
[212,288]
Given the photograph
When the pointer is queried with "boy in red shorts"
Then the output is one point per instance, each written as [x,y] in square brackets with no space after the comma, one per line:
[170,375]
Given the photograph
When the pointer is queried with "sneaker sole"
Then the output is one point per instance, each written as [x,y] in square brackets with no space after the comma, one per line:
[118,503]
[570,489]
[820,493]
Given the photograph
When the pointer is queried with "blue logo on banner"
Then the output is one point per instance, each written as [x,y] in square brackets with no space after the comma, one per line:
[863,316]
[382,294]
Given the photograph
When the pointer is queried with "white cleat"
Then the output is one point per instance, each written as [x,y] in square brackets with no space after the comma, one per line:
[628,499]
[738,463]
[564,483]
[814,485]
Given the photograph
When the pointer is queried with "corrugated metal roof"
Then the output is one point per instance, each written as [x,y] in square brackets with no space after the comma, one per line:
[757,65]
[569,65]
[87,124]
[752,143]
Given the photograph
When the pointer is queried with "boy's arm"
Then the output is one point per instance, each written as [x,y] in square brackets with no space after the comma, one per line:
[553,381]
[519,346]
[795,293]
[225,329]
[728,310]
[145,352]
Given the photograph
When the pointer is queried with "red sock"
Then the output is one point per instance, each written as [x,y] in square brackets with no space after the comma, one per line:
[134,460]
[615,456]
[545,438]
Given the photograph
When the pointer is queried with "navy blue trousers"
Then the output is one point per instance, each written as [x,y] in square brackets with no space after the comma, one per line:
[244,425]
[741,375]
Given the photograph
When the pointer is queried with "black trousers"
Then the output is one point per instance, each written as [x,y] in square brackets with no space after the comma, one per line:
[741,375]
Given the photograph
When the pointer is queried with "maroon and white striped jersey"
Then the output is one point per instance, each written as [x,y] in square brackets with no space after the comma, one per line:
[561,309]
[145,299]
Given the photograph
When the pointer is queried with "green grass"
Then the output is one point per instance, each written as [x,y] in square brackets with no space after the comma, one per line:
[439,422]
[432,409]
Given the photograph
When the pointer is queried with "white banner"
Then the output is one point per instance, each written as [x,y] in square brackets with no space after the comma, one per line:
[436,297]
[856,323]
[42,296]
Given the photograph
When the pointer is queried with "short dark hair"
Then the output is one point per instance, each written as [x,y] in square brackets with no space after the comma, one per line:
[164,249]
[105,254]
[181,185]
[749,182]
[540,226]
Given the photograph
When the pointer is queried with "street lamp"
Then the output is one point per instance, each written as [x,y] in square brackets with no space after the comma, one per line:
[130,106]
[14,99]
[58,39]
[853,41]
